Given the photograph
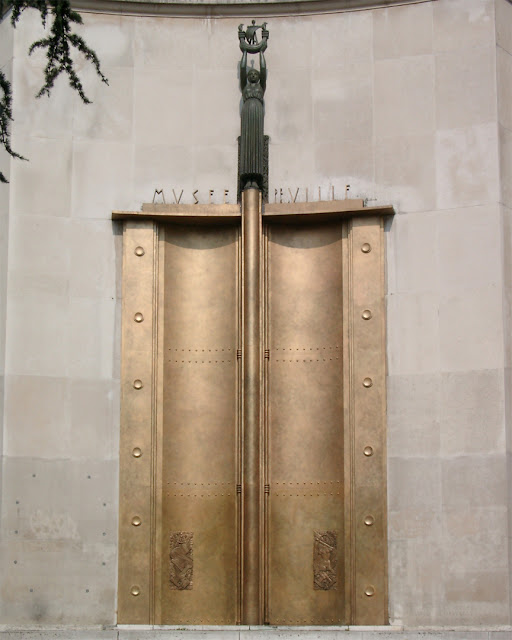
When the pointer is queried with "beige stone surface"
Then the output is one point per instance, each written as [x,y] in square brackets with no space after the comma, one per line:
[504,76]
[465,87]
[402,31]
[467,166]
[472,413]
[471,330]
[503,12]
[413,333]
[462,233]
[505,140]
[462,24]
[414,415]
[406,164]
[404,92]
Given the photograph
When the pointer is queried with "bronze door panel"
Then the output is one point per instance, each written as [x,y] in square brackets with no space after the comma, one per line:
[253,400]
[305,424]
[200,472]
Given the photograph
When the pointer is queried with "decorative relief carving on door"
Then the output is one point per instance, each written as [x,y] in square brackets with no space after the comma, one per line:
[324,560]
[181,560]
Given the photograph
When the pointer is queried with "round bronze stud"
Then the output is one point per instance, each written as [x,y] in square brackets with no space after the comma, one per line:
[138,317]
[369,520]
[139,251]
[137,384]
[136,453]
[135,590]
[366,315]
[367,382]
[366,248]
[370,590]
[368,451]
[136,521]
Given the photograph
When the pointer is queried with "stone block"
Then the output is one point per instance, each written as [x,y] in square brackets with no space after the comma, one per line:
[109,117]
[471,330]
[505,142]
[94,248]
[288,117]
[419,524]
[39,246]
[47,117]
[91,338]
[343,104]
[405,166]
[413,333]
[474,481]
[414,483]
[286,172]
[154,47]
[415,253]
[504,79]
[464,234]
[6,42]
[413,418]
[402,31]
[168,116]
[351,160]
[467,166]
[281,56]
[503,11]
[102,178]
[340,38]
[481,596]
[465,88]
[472,412]
[37,417]
[215,168]
[33,190]
[463,24]
[216,92]
[168,167]
[111,37]
[404,96]
[59,532]
[37,336]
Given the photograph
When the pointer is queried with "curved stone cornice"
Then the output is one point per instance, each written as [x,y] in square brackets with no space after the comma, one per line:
[232,8]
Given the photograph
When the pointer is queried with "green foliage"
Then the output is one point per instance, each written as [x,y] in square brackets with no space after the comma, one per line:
[58,46]
[5,119]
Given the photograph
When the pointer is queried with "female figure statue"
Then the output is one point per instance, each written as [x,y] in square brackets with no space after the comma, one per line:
[253,84]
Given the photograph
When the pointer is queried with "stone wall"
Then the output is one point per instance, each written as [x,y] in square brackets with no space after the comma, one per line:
[410,106]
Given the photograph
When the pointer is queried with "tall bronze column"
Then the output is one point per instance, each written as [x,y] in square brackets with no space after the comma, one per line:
[251,584]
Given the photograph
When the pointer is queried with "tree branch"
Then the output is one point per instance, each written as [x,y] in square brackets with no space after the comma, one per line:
[58,45]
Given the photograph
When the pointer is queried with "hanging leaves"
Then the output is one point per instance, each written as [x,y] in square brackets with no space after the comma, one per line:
[59,45]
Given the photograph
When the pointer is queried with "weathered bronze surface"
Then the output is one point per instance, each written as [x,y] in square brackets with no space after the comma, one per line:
[252,84]
[325,560]
[254,426]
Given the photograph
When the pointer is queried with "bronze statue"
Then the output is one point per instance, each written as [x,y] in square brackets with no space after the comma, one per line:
[253,84]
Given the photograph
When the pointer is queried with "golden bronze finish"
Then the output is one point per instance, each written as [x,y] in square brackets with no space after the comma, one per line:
[200,424]
[253,460]
[252,471]
[304,418]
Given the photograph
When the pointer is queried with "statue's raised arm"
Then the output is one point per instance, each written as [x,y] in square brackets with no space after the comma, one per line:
[263,72]
[243,71]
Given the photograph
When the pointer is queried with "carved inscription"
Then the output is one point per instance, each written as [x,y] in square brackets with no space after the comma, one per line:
[181,560]
[324,560]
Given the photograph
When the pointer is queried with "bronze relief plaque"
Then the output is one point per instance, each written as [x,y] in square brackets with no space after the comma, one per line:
[325,549]
[181,560]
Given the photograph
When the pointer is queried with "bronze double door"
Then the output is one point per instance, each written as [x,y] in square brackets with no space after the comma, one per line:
[197,544]
[301,499]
